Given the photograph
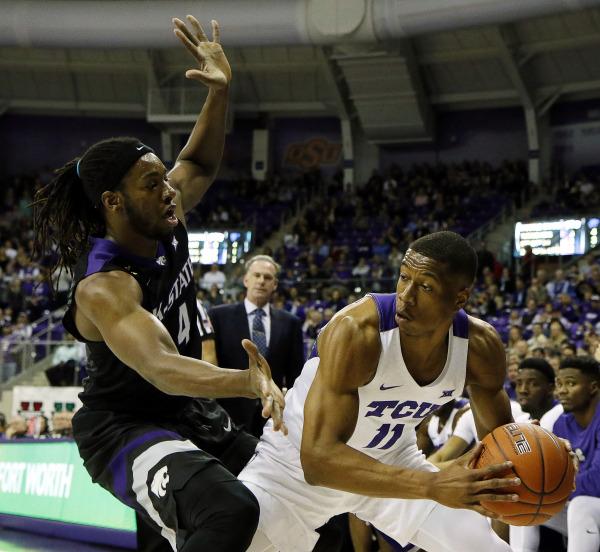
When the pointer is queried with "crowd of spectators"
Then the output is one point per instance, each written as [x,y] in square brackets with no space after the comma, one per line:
[24,293]
[570,194]
[38,426]
[349,241]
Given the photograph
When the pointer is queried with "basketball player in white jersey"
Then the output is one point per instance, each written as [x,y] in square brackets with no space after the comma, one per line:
[379,367]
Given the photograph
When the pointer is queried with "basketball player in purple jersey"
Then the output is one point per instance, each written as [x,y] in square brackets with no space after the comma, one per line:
[379,367]
[149,430]
[578,390]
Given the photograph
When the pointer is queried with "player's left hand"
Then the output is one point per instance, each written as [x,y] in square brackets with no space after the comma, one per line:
[264,387]
[213,68]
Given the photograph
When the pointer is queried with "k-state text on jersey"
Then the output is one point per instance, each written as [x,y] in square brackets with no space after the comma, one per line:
[184,279]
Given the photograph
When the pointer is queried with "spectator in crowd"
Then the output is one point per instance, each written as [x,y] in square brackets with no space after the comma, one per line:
[527,264]
[592,311]
[361,271]
[537,339]
[62,424]
[557,334]
[67,360]
[16,428]
[213,277]
[394,261]
[215,296]
[567,349]
[276,333]
[37,427]
[2,425]
[519,297]
[529,313]
[506,283]
[537,292]
[296,303]
[559,284]
[514,336]
[313,323]
[512,369]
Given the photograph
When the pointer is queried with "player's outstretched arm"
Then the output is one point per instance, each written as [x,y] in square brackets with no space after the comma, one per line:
[199,160]
[486,372]
[349,349]
[109,306]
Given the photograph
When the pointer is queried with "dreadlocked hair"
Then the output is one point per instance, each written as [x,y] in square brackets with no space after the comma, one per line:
[67,211]
[64,218]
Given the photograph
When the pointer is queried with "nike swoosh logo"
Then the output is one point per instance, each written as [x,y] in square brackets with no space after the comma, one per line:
[228,426]
[385,388]
[591,532]
[140,148]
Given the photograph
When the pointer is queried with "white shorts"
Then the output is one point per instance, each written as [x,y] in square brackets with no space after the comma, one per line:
[291,509]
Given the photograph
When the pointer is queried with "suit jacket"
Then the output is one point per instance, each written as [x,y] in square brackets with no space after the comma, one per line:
[285,355]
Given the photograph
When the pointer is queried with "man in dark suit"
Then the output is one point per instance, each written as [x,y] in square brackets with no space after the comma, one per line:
[277,334]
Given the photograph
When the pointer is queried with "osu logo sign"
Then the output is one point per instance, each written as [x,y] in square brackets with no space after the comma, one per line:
[312,154]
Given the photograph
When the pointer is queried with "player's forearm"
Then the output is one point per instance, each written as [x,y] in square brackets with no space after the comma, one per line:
[206,142]
[179,375]
[346,469]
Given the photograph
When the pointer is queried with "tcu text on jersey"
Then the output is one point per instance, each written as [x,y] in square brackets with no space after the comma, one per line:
[396,410]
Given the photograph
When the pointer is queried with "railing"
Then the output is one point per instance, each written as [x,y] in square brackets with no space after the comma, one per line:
[46,324]
[19,357]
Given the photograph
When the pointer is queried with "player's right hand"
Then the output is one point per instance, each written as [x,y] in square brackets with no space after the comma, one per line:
[264,387]
[460,485]
[213,68]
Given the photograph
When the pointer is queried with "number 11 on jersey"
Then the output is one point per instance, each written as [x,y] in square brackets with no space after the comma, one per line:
[384,430]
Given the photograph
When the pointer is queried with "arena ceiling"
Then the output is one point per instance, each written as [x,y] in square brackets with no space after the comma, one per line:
[391,89]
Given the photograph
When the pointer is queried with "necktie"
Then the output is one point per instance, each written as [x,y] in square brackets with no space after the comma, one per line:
[259,335]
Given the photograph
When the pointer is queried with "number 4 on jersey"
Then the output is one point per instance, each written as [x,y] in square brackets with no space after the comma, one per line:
[184,325]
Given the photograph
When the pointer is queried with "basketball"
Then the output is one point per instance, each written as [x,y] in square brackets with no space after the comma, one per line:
[542,462]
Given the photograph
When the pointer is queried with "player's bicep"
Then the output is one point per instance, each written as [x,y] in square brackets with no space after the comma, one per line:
[348,355]
[134,335]
[486,369]
[491,408]
[329,415]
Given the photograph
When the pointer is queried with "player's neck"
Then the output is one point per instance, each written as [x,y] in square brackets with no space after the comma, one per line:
[584,417]
[425,356]
[133,242]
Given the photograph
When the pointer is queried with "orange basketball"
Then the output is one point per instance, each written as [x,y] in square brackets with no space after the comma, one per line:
[540,460]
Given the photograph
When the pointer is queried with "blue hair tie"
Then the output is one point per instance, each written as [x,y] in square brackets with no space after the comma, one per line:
[77,168]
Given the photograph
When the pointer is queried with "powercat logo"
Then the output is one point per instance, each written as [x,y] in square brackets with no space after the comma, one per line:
[160,482]
[312,154]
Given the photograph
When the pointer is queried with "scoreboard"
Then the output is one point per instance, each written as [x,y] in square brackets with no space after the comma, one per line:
[218,246]
[557,237]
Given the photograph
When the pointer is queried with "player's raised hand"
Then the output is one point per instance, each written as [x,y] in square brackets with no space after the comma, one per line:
[459,485]
[213,68]
[265,388]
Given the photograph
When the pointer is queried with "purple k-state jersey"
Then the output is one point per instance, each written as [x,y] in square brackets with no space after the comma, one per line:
[586,444]
[169,293]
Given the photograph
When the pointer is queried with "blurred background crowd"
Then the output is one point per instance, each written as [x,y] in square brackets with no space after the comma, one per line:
[334,244]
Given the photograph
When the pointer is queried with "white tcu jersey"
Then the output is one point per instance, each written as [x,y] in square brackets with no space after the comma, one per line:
[393,403]
[390,407]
